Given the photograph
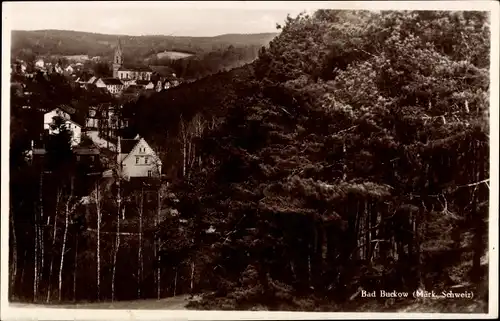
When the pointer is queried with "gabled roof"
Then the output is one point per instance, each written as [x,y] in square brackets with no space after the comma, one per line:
[134,143]
[135,68]
[65,108]
[92,80]
[84,78]
[111,81]
[127,145]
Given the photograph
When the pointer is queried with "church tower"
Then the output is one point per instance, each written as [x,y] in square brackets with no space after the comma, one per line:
[117,59]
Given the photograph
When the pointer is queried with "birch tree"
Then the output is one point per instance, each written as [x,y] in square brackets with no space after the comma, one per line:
[54,237]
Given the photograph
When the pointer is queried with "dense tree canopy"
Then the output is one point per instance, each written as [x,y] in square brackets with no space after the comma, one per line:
[352,155]
[361,134]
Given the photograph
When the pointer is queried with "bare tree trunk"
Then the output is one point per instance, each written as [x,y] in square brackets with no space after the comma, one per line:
[139,263]
[115,254]
[188,157]
[98,242]
[184,158]
[192,275]
[42,247]
[184,141]
[40,213]
[175,282]
[119,203]
[14,252]
[21,282]
[54,234]
[158,268]
[76,269]
[63,249]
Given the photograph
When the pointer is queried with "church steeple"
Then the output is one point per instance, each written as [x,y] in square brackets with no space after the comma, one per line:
[117,59]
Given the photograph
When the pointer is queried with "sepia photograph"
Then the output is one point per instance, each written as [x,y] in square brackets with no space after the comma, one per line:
[192,157]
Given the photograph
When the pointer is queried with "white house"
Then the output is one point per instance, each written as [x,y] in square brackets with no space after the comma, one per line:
[74,128]
[138,159]
[59,69]
[48,118]
[69,69]
[92,80]
[146,84]
[40,63]
[113,85]
[136,73]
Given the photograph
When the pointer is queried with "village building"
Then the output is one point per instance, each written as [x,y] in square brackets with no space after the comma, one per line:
[137,159]
[58,69]
[146,84]
[113,85]
[126,73]
[40,63]
[63,112]
[69,69]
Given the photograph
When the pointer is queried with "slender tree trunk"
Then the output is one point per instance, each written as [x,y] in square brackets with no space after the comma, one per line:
[14,252]
[115,254]
[63,249]
[184,158]
[51,263]
[42,247]
[75,272]
[23,266]
[38,214]
[158,242]
[54,237]
[139,259]
[192,276]
[175,282]
[117,244]
[98,243]
[188,157]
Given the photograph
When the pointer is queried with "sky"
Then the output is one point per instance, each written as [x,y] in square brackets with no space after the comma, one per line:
[152,18]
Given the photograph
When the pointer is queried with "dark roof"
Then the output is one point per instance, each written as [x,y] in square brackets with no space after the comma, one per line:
[85,77]
[77,122]
[142,82]
[133,89]
[171,78]
[111,81]
[86,151]
[66,108]
[162,70]
[127,145]
[135,68]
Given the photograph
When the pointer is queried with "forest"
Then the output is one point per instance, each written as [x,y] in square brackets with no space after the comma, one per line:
[352,154]
[65,43]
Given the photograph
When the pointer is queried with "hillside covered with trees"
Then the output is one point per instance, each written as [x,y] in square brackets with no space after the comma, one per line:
[351,155]
[64,42]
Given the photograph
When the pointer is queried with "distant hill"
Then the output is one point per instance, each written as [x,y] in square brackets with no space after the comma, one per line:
[65,43]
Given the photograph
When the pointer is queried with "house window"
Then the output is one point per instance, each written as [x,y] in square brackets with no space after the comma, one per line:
[150,173]
[92,158]
[78,157]
[146,160]
[137,160]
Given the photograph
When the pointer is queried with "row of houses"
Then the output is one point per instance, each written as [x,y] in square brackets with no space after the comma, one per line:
[135,157]
[117,86]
